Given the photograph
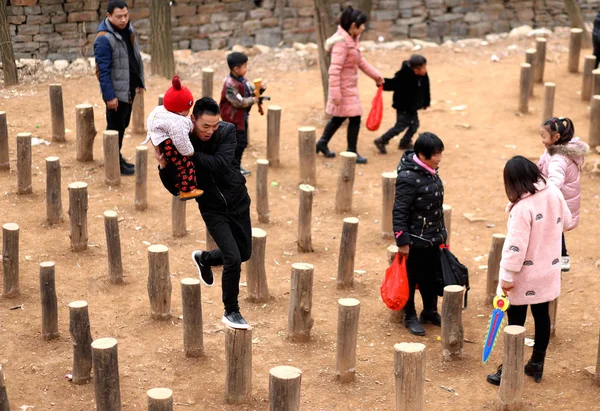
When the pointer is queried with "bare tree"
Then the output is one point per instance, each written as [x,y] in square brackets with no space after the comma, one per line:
[163,62]
[325,24]
[365,6]
[6,50]
[576,19]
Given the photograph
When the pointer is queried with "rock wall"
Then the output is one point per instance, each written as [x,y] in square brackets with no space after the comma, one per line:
[65,29]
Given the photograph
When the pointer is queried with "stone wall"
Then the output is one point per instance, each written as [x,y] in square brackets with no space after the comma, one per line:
[58,29]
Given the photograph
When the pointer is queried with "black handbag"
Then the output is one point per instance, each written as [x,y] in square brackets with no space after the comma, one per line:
[452,272]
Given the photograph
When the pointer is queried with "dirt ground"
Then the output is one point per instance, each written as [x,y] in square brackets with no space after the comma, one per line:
[151,353]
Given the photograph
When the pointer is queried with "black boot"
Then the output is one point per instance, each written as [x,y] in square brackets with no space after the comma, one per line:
[127,169]
[412,324]
[535,366]
[360,159]
[380,144]
[431,317]
[322,147]
[495,378]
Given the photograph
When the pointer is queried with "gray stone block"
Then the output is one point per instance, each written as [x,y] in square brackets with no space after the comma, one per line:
[28,47]
[21,38]
[71,7]
[458,29]
[59,18]
[418,31]
[208,28]
[218,43]
[260,14]
[501,26]
[47,28]
[474,17]
[52,9]
[437,29]
[48,38]
[183,45]
[250,26]
[64,27]
[385,15]
[220,17]
[480,29]
[38,20]
[268,37]
[32,10]
[245,41]
[16,19]
[14,11]
[29,29]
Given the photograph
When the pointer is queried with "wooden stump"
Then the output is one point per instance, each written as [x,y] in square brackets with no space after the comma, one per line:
[141,178]
[452,326]
[447,209]
[409,374]
[388,188]
[78,206]
[24,164]
[4,159]
[553,311]
[262,191]
[112,164]
[575,49]
[345,274]
[159,282]
[191,300]
[85,132]
[273,133]
[597,376]
[307,155]
[138,115]
[160,399]
[594,134]
[540,61]
[347,337]
[493,267]
[210,241]
[79,327]
[530,59]
[57,113]
[524,88]
[595,83]
[511,385]
[10,260]
[238,366]
[54,208]
[207,82]
[256,274]
[106,374]
[4,405]
[48,301]
[305,218]
[113,247]
[549,92]
[178,208]
[396,316]
[300,319]
[345,182]
[587,78]
[284,388]
[160,99]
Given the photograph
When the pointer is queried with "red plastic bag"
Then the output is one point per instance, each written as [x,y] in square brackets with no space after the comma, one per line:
[394,289]
[376,113]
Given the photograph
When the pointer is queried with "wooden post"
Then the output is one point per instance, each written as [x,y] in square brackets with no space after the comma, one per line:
[540,60]
[262,191]
[307,155]
[54,208]
[594,136]
[138,115]
[575,49]
[305,218]
[79,327]
[553,311]
[530,59]
[238,365]
[388,188]
[284,388]
[160,399]
[586,86]
[24,163]
[4,159]
[160,99]
[112,165]
[396,316]
[300,320]
[273,132]
[113,247]
[78,206]
[524,88]
[345,182]
[409,373]
[106,374]
[4,405]
[210,242]
[207,82]
[576,19]
[493,267]
[511,385]
[141,178]
[549,92]
[447,209]
[191,300]
[256,274]
[595,82]
[10,260]
[452,326]
[85,132]
[57,113]
[345,274]
[178,217]
[159,282]
[48,301]
[347,337]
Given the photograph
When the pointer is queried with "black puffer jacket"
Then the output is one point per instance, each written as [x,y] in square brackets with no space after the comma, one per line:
[411,92]
[418,212]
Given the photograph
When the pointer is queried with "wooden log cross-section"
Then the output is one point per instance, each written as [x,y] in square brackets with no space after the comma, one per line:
[388,185]
[4,158]
[113,247]
[49,302]
[191,300]
[159,282]
[493,267]
[549,93]
[79,327]
[160,399]
[112,164]
[347,337]
[305,218]
[256,273]
[238,365]
[141,178]
[106,374]
[284,388]
[345,182]
[178,209]
[262,191]
[57,113]
[207,82]
[4,405]
[511,385]
[300,319]
[85,132]
[452,326]
[10,260]
[345,274]
[575,49]
[273,134]
[307,155]
[54,208]
[409,373]
[78,206]
[24,164]
[594,131]
[524,88]
[587,79]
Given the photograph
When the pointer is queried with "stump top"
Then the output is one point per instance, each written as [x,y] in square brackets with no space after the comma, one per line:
[303,266]
[306,187]
[596,71]
[389,174]
[10,227]
[409,347]
[392,248]
[55,85]
[274,108]
[47,264]
[258,232]
[78,304]
[2,113]
[110,214]
[285,372]
[52,159]
[236,330]
[262,161]
[446,207]
[1,377]
[83,106]
[348,302]
[77,185]
[190,281]
[348,154]
[514,330]
[551,84]
[158,248]
[111,133]
[160,393]
[104,343]
[454,288]
[590,57]
[596,97]
[141,148]
[351,220]
[499,235]
[576,30]
[541,39]
[525,65]
[531,51]
[24,135]
[307,129]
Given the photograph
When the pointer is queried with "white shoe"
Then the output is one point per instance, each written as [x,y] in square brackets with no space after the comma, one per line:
[565,264]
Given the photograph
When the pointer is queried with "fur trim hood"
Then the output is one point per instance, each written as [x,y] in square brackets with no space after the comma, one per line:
[339,36]
[574,149]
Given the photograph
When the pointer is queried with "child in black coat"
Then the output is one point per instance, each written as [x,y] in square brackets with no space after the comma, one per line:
[411,93]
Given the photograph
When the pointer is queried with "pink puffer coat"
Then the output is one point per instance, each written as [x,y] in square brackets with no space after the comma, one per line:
[346,59]
[562,165]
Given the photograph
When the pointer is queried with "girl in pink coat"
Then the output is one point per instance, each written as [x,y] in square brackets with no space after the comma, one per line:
[530,265]
[343,101]
[561,163]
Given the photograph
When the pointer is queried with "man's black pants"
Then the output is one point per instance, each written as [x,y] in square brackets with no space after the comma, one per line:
[241,137]
[404,120]
[422,269]
[118,120]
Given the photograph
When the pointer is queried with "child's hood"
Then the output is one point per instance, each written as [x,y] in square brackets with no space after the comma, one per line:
[339,36]
[574,149]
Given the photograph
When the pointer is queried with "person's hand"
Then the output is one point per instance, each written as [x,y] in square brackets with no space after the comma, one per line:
[137,90]
[263,85]
[379,81]
[255,100]
[113,104]
[403,250]
[160,157]
[506,286]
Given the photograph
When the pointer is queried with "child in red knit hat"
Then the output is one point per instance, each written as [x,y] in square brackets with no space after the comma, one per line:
[169,128]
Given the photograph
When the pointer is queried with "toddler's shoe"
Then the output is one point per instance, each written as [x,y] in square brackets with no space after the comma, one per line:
[565,265]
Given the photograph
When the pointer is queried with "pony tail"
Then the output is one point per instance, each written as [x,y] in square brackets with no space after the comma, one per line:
[569,130]
[346,18]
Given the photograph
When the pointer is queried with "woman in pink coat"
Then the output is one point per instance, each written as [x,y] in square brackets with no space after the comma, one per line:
[344,101]
[530,265]
[562,163]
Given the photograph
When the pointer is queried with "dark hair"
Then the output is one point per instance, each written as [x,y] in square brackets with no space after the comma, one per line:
[115,4]
[236,59]
[520,176]
[349,16]
[416,60]
[428,144]
[206,105]
[561,125]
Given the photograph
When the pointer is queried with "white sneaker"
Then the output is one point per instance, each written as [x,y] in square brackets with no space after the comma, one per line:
[235,320]
[565,264]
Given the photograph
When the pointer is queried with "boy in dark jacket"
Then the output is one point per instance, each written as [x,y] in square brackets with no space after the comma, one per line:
[411,93]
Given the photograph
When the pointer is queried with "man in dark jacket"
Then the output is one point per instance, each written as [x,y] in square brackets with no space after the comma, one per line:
[411,93]
[119,69]
[224,206]
[419,226]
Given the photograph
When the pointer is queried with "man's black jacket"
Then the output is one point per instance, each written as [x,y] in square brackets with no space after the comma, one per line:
[411,92]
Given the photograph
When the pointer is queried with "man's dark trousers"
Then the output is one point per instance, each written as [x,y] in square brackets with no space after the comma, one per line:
[404,120]
[119,120]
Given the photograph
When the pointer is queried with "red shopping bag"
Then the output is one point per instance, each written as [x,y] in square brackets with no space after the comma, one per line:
[394,289]
[376,113]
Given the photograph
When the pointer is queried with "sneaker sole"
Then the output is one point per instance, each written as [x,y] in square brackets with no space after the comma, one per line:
[225,321]
[565,269]
[200,272]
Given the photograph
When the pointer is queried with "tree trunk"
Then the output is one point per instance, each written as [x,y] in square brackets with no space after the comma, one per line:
[284,388]
[238,366]
[7,54]
[160,399]
[138,115]
[594,133]
[141,178]
[576,18]
[48,301]
[388,185]
[273,134]
[587,81]
[57,113]
[575,49]
[262,191]
[540,59]
[207,82]
[112,167]
[163,61]
[305,218]
[452,326]
[345,182]
[347,337]
[106,374]
[4,159]
[113,247]
[300,320]
[307,154]
[24,163]
[191,301]
[493,267]
[79,327]
[85,131]
[447,209]
[78,206]
[345,273]
[530,56]
[256,274]
[549,93]
[10,260]
[409,373]
[325,27]
[178,208]
[54,208]
[511,386]
[524,85]
[159,282]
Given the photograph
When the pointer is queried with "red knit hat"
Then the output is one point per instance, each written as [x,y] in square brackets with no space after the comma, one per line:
[178,98]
